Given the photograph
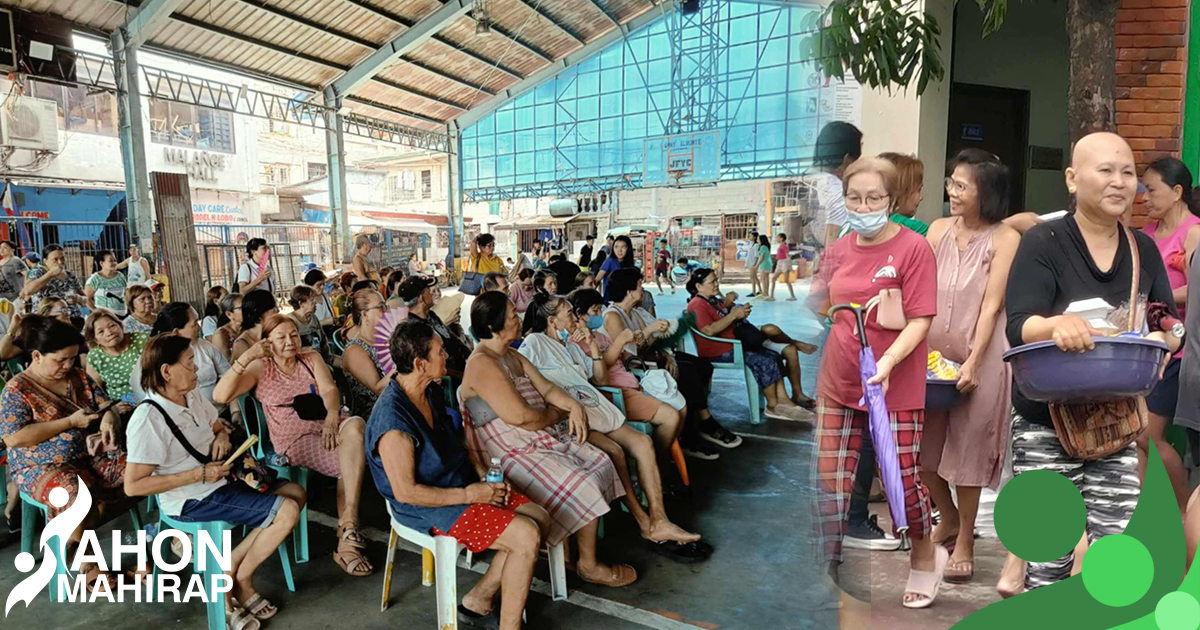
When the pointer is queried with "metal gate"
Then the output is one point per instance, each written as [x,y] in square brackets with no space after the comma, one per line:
[80,240]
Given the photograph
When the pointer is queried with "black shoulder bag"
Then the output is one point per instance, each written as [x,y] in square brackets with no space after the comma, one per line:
[256,475]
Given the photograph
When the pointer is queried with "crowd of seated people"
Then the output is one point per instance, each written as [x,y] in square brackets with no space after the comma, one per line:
[548,413]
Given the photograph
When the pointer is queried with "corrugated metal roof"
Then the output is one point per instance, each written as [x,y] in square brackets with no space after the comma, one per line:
[312,43]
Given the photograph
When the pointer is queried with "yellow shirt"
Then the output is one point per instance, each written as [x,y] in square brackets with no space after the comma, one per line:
[489,264]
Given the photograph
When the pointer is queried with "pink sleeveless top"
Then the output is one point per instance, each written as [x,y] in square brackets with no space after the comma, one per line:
[1171,249]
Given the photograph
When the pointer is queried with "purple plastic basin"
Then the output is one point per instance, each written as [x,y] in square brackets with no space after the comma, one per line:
[941,394]
[1119,367]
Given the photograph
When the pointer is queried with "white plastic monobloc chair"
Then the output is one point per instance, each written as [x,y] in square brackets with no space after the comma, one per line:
[444,551]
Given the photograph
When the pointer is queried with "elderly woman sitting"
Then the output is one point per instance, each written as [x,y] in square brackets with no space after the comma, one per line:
[192,490]
[304,418]
[143,308]
[47,415]
[114,355]
[364,374]
[257,306]
[231,324]
[422,467]
[567,354]
[539,433]
[303,301]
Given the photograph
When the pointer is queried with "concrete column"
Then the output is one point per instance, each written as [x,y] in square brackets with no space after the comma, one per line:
[132,131]
[454,196]
[335,148]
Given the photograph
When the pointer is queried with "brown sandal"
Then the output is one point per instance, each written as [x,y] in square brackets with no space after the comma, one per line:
[351,535]
[622,575]
[353,562]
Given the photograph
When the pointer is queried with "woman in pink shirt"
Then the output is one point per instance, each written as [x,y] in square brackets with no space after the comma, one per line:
[1174,225]
[878,256]
[783,268]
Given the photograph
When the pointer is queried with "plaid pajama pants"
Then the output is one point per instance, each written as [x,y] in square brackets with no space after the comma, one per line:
[839,439]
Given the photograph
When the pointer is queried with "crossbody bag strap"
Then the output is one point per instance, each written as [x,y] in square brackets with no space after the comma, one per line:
[1134,285]
[175,430]
[25,378]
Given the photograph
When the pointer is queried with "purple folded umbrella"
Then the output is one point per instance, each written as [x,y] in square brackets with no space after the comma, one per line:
[881,425]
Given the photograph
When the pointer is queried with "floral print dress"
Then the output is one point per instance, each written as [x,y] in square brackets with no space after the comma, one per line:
[63,288]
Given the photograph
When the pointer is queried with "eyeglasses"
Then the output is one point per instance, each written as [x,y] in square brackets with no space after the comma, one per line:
[958,187]
[874,202]
[57,311]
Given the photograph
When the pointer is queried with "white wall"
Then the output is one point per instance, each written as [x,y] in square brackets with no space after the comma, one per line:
[729,197]
[1029,52]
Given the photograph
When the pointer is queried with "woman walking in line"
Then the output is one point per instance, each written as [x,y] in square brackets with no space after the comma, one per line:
[965,446]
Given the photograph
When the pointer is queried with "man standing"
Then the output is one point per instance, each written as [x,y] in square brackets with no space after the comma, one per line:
[585,254]
[838,145]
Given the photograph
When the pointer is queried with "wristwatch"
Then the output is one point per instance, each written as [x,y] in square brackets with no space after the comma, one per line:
[1178,330]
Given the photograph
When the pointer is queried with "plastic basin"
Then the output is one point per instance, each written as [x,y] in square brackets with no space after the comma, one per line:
[1119,367]
[941,394]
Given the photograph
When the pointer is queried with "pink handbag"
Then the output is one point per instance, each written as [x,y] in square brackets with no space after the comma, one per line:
[890,304]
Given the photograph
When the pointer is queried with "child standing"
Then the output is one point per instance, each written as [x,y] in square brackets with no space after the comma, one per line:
[783,268]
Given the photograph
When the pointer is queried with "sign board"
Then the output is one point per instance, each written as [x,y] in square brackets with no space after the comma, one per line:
[679,160]
[8,42]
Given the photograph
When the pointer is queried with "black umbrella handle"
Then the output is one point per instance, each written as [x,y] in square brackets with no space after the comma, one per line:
[858,318]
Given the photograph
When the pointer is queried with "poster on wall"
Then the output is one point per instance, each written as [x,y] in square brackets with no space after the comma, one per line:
[743,251]
[214,207]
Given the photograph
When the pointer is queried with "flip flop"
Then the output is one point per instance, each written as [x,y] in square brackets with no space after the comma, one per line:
[956,574]
[683,553]
[258,606]
[490,621]
[622,575]
[927,583]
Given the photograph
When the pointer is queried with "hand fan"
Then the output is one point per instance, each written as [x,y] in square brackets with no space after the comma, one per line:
[383,335]
[266,260]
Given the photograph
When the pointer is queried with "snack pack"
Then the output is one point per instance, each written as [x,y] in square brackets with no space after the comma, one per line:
[940,368]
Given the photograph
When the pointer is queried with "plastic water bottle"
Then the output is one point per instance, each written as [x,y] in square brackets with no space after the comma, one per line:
[277,459]
[495,474]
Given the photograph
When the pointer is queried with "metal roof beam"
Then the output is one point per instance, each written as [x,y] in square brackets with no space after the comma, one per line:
[612,20]
[473,115]
[499,30]
[406,23]
[552,20]
[391,52]
[292,17]
[149,16]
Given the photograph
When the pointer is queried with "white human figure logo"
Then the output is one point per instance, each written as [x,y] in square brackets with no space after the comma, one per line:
[62,526]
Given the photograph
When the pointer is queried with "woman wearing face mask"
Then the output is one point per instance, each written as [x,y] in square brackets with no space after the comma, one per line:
[879,256]
[966,445]
[910,177]
[1173,206]
[114,353]
[142,312]
[304,418]
[106,288]
[257,306]
[1082,256]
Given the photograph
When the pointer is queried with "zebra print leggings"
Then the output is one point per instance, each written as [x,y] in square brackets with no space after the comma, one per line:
[1109,486]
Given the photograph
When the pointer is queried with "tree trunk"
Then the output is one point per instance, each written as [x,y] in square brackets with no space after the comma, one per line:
[1091,93]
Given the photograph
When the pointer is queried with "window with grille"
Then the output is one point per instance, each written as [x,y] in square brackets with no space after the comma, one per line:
[78,110]
[426,184]
[181,125]
[317,169]
[276,174]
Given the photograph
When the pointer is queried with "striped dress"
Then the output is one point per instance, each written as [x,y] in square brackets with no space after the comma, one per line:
[573,482]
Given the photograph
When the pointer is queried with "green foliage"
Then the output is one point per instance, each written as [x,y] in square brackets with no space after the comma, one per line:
[885,44]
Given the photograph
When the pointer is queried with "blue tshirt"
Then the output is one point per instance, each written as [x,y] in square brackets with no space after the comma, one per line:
[611,264]
[440,457]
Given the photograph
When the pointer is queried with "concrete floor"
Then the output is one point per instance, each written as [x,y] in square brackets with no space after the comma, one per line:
[752,504]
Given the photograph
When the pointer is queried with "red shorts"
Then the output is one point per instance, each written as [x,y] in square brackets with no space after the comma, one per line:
[479,527]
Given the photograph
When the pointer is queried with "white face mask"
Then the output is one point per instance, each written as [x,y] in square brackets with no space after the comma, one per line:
[868,224]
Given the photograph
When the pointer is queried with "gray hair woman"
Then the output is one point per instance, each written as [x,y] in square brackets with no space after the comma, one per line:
[431,481]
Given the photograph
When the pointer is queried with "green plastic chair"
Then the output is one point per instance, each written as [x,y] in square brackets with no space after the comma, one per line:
[263,451]
[215,530]
[30,509]
[754,395]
